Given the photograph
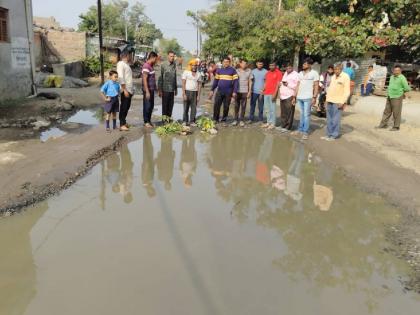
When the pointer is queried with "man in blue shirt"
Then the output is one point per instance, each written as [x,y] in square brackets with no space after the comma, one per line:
[352,74]
[258,81]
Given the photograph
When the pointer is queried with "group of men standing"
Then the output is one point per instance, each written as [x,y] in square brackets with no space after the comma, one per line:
[262,87]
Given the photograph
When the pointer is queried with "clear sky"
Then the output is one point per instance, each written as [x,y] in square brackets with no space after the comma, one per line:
[168,15]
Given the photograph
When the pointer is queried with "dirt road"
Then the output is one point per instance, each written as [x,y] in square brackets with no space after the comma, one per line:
[381,162]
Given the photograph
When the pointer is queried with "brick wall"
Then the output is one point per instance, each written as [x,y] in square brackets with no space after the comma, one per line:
[69,46]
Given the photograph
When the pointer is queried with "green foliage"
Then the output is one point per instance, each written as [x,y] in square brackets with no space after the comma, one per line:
[169,127]
[205,123]
[115,15]
[147,34]
[166,45]
[92,65]
[326,28]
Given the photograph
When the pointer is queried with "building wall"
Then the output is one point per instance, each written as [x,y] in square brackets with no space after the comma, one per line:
[68,46]
[15,58]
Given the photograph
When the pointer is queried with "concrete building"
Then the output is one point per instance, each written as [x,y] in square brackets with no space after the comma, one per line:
[16,57]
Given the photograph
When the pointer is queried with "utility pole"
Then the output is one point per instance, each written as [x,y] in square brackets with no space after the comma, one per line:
[198,34]
[101,44]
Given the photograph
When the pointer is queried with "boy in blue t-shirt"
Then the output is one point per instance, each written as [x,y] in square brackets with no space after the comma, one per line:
[110,92]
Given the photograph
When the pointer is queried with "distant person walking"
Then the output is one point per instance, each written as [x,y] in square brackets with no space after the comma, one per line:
[353,64]
[125,77]
[244,92]
[352,74]
[271,87]
[191,88]
[167,84]
[258,80]
[287,92]
[397,88]
[110,92]
[307,93]
[226,83]
[338,93]
[149,88]
[367,85]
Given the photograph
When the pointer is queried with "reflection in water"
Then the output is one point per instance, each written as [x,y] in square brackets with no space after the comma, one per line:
[323,193]
[165,162]
[263,228]
[148,165]
[17,268]
[188,162]
[125,179]
[293,182]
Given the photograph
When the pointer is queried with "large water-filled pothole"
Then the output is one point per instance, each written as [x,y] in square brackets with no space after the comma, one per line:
[238,223]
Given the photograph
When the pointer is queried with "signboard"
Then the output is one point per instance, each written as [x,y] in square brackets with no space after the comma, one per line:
[21,57]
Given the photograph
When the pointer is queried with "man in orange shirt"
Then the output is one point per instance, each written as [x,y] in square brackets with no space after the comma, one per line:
[271,87]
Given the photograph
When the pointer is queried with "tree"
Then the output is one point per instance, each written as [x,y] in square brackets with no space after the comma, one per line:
[166,45]
[118,14]
[147,33]
[325,28]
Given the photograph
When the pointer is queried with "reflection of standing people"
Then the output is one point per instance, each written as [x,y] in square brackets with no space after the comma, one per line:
[167,85]
[397,88]
[149,88]
[323,193]
[188,163]
[295,172]
[112,171]
[262,168]
[126,174]
[125,77]
[148,166]
[165,162]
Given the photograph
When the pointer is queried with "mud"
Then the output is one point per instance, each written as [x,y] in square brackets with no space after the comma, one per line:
[239,223]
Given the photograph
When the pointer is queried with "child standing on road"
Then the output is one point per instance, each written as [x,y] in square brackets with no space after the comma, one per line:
[110,91]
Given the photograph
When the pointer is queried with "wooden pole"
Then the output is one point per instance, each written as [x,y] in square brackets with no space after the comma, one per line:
[101,44]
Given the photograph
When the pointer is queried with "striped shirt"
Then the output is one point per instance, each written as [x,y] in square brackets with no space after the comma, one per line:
[151,77]
[226,81]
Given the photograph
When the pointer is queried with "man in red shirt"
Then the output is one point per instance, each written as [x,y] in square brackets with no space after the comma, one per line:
[271,87]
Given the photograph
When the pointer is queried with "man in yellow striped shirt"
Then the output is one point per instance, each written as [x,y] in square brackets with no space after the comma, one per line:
[338,93]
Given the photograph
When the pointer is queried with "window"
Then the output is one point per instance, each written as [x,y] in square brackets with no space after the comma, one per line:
[4,27]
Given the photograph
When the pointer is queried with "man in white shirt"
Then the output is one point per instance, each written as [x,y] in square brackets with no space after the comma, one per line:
[307,93]
[191,88]
[125,77]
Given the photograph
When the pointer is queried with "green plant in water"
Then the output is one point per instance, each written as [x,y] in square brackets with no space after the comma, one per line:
[206,124]
[169,127]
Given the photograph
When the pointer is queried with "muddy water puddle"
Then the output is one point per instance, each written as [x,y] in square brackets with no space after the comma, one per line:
[80,121]
[239,223]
